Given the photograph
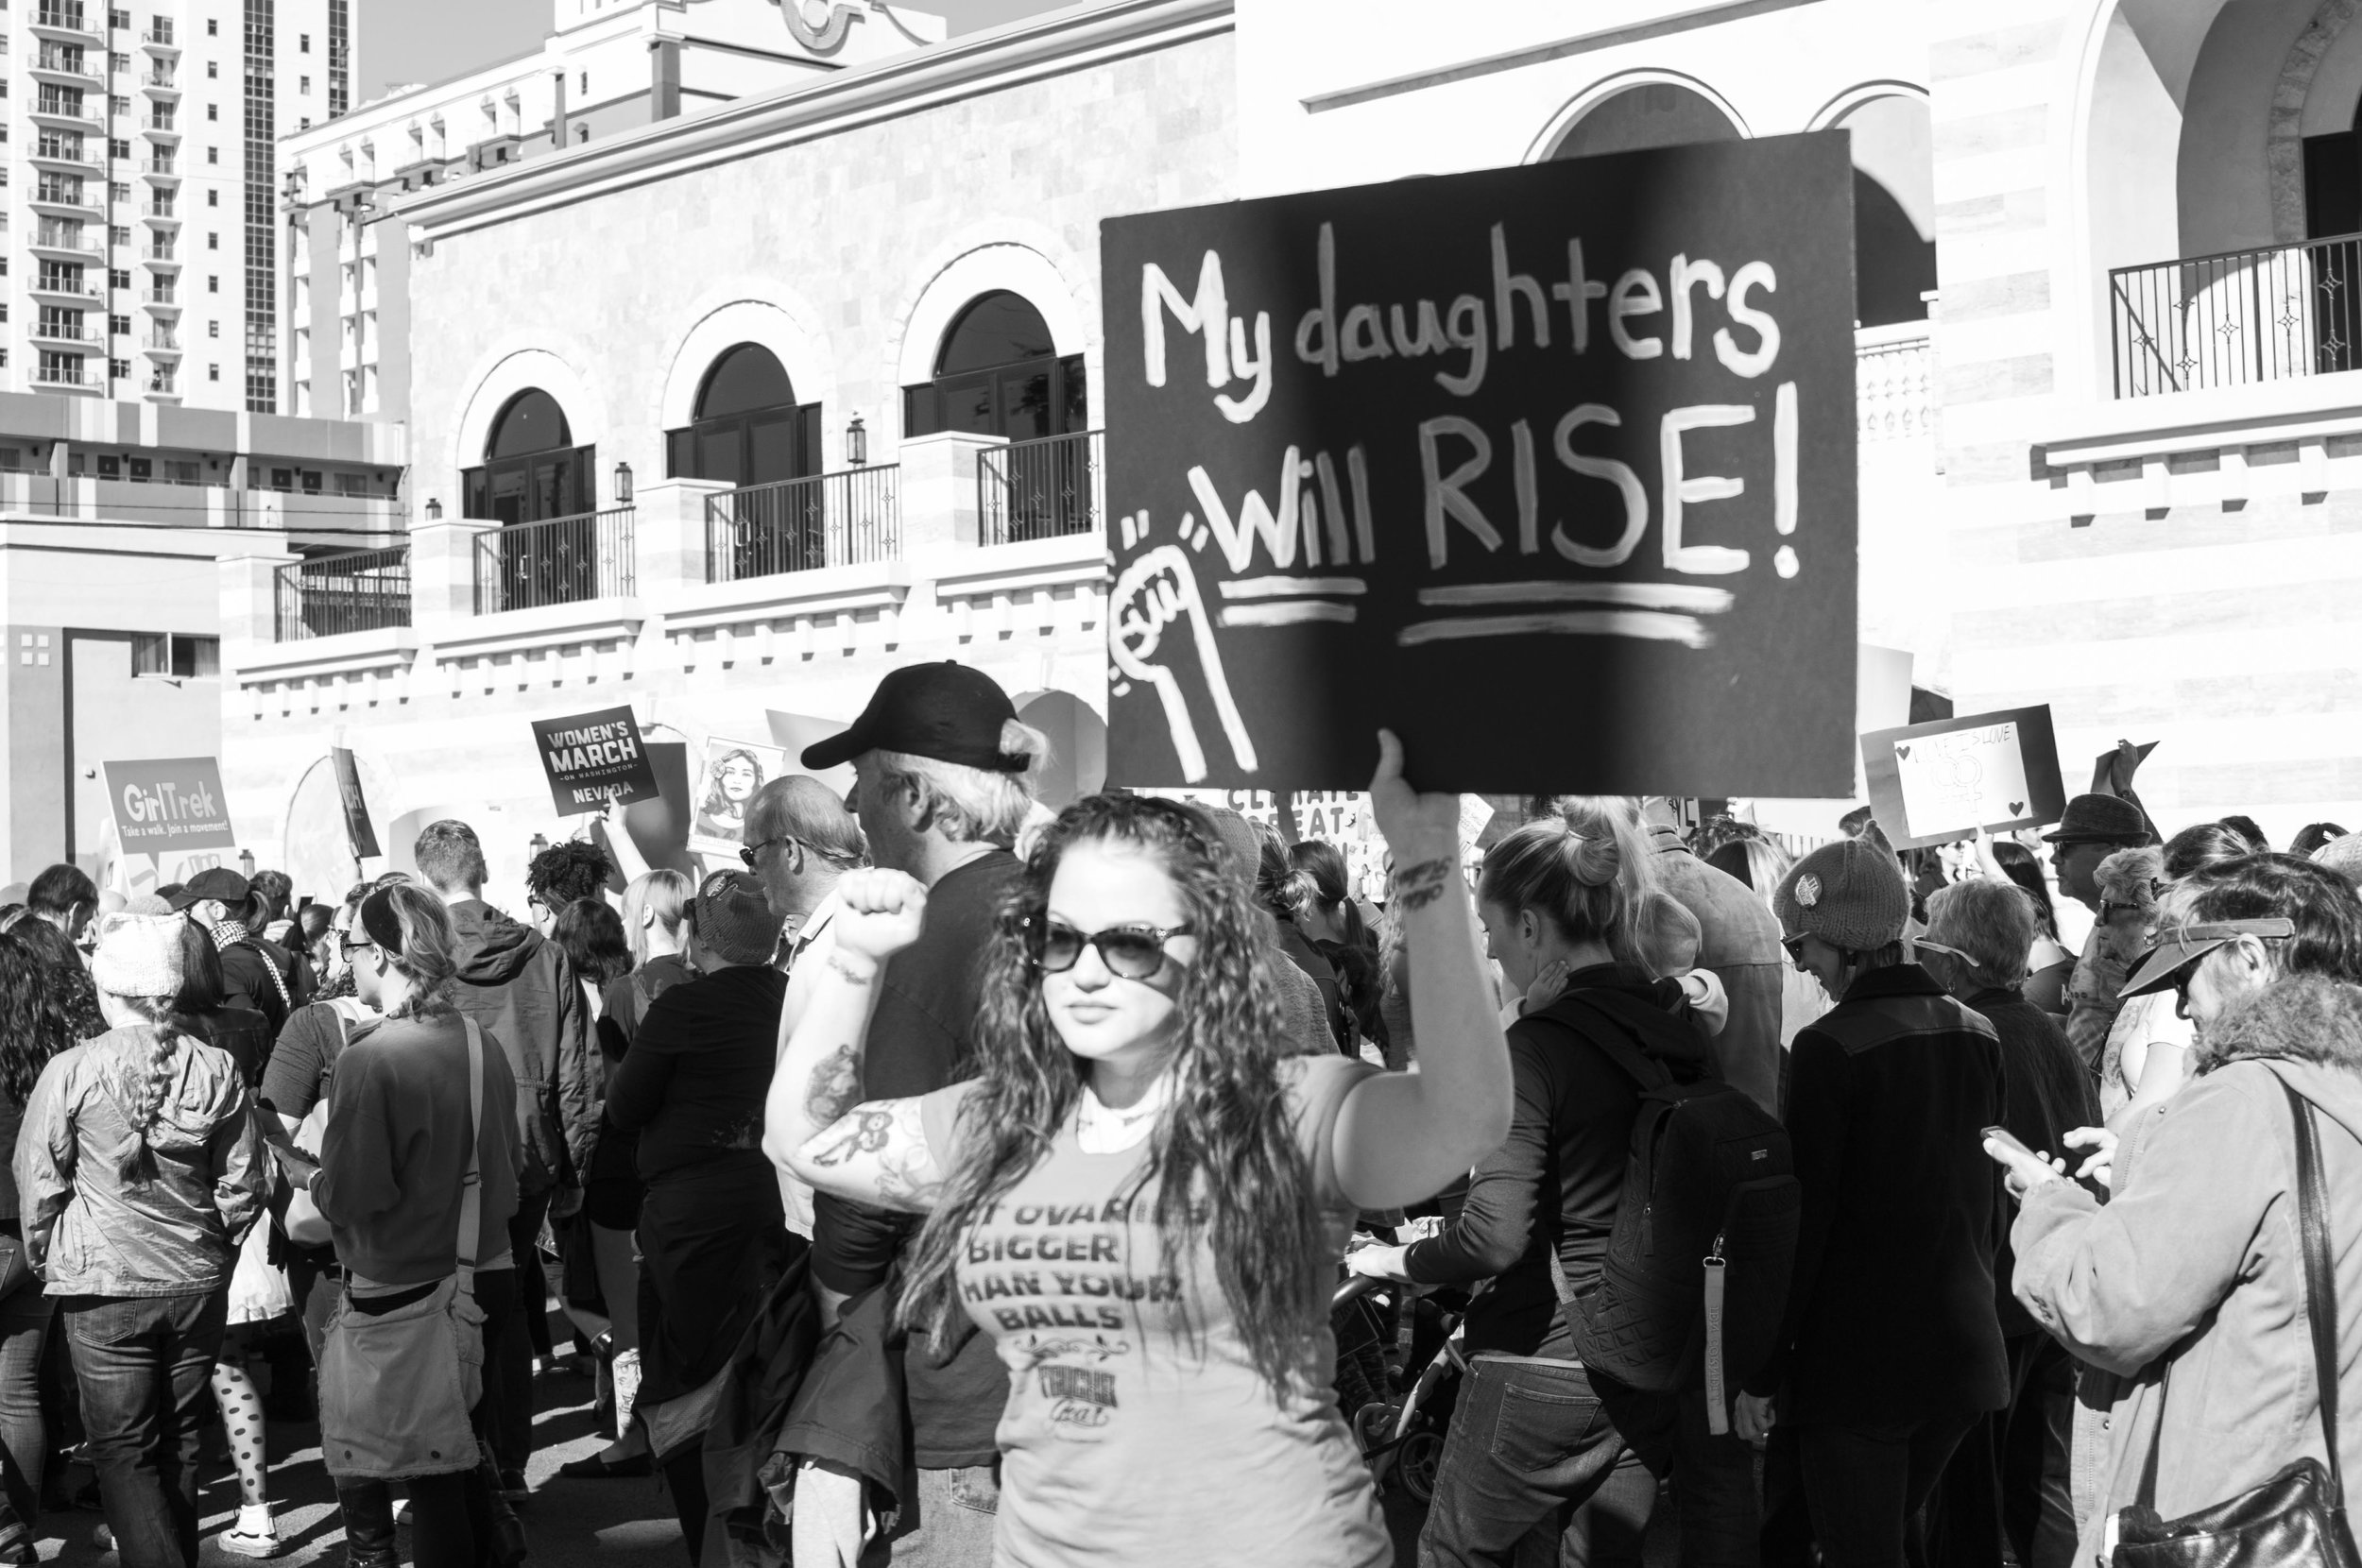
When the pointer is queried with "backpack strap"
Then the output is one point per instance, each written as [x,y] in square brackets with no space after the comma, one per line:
[1599,1026]
[471,1204]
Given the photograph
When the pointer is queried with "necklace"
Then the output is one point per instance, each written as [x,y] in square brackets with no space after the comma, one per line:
[1100,1130]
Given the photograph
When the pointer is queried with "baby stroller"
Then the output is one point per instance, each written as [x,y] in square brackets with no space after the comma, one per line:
[1398,1417]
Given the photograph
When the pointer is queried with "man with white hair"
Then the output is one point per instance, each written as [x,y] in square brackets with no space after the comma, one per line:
[944,777]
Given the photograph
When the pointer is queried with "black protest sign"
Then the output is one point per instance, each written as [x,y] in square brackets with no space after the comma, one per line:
[1550,469]
[593,757]
[1936,783]
[357,830]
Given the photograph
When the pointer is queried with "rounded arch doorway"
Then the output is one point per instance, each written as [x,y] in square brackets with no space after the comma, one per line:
[998,373]
[1646,114]
[532,470]
[748,428]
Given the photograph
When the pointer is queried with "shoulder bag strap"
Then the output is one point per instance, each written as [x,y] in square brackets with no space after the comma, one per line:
[2320,1284]
[1613,1037]
[471,1204]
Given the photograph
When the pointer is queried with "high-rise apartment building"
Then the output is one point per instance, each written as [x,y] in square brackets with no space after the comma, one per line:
[139,232]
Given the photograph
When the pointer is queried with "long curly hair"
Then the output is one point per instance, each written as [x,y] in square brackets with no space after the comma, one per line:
[1224,1157]
[35,1021]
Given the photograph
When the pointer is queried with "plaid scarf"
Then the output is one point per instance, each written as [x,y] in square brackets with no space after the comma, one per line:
[230,933]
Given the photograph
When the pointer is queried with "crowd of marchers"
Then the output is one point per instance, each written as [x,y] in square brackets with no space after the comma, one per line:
[960,1183]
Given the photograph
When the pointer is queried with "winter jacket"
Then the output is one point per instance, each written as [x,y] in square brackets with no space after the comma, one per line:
[1891,1314]
[1739,939]
[92,1232]
[2187,1286]
[523,992]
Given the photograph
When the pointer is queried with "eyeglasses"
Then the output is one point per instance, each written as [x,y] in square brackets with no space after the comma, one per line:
[346,946]
[1795,946]
[749,852]
[1924,946]
[1132,953]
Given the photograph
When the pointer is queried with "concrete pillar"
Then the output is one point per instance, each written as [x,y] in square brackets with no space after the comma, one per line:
[250,601]
[671,529]
[938,485]
[442,571]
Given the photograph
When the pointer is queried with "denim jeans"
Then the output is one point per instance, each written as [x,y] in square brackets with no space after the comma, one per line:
[144,1364]
[1531,1443]
[25,1315]
[1866,1485]
[2007,1479]
[1714,1478]
[947,1523]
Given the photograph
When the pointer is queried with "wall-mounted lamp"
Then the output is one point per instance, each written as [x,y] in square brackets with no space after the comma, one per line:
[622,483]
[537,844]
[434,510]
[857,444]
[246,864]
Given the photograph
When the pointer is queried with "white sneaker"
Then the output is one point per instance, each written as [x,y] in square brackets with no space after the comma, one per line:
[253,1535]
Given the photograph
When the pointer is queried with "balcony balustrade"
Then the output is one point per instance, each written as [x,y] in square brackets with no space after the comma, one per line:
[362,591]
[1043,489]
[2237,318]
[558,561]
[846,518]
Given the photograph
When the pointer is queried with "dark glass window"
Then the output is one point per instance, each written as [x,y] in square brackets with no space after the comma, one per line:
[532,470]
[999,374]
[748,429]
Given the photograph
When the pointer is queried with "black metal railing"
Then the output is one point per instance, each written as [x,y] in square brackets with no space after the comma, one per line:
[361,591]
[800,524]
[560,561]
[1043,489]
[2236,318]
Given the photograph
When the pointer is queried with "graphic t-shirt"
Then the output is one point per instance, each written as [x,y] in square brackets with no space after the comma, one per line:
[1137,1431]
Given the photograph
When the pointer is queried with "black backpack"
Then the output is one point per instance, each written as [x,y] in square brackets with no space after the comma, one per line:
[1710,1209]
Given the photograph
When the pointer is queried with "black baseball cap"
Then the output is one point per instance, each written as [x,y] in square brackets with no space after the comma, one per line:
[215,883]
[945,711]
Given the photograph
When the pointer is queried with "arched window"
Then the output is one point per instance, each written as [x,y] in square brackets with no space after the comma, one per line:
[532,470]
[1653,115]
[1894,210]
[998,373]
[748,429]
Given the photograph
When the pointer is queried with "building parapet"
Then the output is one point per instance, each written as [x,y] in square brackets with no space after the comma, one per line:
[2219,445]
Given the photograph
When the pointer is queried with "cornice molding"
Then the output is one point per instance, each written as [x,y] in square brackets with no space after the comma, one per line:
[924,78]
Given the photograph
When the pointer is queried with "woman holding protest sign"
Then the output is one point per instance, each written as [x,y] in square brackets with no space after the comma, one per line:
[1135,1120]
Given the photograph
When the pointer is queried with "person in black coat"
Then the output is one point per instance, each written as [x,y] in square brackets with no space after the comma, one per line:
[1891,1348]
[2009,1477]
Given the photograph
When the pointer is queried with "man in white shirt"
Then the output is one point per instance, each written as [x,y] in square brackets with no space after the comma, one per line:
[799,840]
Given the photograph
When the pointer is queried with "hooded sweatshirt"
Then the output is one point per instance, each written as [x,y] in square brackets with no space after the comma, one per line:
[1557,1179]
[2184,1294]
[522,991]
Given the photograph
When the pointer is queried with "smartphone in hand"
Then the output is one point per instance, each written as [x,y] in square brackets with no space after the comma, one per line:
[2008,1150]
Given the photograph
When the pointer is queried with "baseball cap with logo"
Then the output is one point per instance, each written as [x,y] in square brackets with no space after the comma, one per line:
[945,711]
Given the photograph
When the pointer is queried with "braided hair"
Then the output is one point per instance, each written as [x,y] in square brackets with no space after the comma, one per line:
[146,1086]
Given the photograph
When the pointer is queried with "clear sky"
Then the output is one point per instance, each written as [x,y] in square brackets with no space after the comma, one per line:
[431,40]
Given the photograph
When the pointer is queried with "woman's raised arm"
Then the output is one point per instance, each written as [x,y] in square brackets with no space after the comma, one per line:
[1404,1136]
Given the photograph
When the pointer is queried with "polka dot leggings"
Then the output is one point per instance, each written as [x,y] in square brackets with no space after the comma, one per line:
[242,1415]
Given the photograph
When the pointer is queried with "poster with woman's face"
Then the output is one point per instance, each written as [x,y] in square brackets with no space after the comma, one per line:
[734,771]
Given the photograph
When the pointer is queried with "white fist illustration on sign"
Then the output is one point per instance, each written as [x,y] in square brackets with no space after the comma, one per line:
[1156,590]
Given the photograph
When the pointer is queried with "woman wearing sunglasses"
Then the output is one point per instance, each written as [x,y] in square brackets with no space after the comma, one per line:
[1138,1197]
[2187,1289]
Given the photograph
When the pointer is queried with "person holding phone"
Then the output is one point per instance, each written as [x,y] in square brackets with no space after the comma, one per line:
[2184,1294]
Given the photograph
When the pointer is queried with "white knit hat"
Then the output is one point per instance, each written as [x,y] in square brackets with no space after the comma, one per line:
[139,955]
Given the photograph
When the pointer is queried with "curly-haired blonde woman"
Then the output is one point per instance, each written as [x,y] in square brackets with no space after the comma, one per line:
[1140,1198]
[140,1167]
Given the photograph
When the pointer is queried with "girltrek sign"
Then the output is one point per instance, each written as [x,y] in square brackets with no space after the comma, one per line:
[1550,470]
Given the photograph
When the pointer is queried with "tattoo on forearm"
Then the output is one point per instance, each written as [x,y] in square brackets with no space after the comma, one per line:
[835,1087]
[864,1133]
[855,976]
[1416,887]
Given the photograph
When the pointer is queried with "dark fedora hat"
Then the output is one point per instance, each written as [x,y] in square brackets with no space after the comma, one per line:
[2099,819]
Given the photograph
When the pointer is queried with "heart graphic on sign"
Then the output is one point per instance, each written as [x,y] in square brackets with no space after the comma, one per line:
[1903,751]
[2017,808]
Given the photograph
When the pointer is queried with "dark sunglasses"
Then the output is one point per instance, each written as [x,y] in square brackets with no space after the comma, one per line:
[1795,945]
[749,852]
[1133,952]
[346,946]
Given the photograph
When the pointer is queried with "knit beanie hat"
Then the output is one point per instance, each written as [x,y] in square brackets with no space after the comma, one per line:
[138,955]
[1849,894]
[734,920]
